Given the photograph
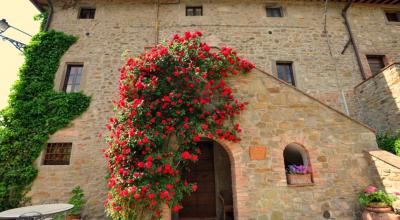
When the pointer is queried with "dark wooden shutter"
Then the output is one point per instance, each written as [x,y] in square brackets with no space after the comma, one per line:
[375,63]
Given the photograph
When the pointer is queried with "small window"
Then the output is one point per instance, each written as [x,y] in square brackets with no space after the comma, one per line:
[393,16]
[297,166]
[72,79]
[274,12]
[375,63]
[285,72]
[57,154]
[87,13]
[194,10]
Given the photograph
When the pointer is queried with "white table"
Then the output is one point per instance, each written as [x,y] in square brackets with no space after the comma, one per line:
[33,211]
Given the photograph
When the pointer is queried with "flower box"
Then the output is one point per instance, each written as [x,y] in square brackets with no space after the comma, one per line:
[299,179]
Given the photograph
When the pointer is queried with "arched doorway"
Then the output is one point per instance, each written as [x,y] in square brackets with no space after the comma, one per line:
[213,199]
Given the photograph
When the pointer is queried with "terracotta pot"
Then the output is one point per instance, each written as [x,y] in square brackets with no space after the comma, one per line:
[378,208]
[379,216]
[299,179]
[74,217]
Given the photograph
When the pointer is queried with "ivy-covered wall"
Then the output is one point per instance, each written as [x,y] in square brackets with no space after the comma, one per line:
[35,111]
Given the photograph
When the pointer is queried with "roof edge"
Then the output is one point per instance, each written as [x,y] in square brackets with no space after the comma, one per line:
[38,5]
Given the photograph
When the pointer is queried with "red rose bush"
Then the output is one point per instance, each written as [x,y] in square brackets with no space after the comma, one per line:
[169,97]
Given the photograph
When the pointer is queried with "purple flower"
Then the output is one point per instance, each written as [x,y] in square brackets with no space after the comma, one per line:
[298,169]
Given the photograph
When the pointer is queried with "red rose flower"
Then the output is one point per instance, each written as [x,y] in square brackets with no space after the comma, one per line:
[176,208]
[186,155]
[196,138]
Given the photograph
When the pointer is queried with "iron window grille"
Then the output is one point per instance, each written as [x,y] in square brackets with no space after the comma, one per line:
[57,154]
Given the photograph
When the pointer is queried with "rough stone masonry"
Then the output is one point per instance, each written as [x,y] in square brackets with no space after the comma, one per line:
[278,114]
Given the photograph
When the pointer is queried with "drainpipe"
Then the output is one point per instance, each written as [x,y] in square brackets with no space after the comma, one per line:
[355,48]
[49,16]
[157,24]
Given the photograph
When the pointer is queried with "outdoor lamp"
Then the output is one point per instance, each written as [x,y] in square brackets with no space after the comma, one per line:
[3,25]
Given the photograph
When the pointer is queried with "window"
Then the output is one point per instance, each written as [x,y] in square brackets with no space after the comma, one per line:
[87,13]
[57,154]
[194,10]
[375,63]
[73,78]
[274,12]
[297,166]
[285,72]
[393,16]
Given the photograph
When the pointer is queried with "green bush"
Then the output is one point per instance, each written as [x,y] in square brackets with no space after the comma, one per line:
[77,200]
[372,196]
[34,112]
[389,142]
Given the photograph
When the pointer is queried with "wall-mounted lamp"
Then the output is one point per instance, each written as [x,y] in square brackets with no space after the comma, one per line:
[5,26]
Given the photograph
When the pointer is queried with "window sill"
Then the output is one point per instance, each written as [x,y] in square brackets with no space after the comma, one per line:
[301,185]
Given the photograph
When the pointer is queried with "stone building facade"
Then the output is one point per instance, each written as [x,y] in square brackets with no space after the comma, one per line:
[311,115]
[381,90]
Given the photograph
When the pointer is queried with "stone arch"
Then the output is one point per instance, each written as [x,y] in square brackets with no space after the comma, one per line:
[235,153]
[296,154]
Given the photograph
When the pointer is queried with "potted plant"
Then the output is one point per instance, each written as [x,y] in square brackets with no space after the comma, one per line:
[375,200]
[298,175]
[77,200]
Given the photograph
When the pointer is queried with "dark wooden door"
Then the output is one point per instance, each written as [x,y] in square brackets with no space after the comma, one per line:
[201,204]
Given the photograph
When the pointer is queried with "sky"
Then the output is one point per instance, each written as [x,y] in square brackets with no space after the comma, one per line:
[18,13]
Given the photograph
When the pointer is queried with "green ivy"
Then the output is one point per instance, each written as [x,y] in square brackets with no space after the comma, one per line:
[34,112]
[389,142]
[42,18]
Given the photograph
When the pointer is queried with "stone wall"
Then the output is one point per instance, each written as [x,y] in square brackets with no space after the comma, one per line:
[296,37]
[277,115]
[379,100]
[388,167]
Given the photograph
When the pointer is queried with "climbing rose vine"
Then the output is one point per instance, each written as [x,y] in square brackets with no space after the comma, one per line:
[169,97]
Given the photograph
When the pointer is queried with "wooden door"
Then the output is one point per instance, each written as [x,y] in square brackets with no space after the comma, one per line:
[201,204]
